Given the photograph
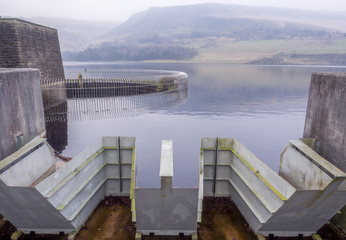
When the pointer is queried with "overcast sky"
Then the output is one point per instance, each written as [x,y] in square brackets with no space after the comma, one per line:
[120,10]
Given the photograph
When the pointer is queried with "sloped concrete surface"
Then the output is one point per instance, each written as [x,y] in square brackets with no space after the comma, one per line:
[64,199]
[307,192]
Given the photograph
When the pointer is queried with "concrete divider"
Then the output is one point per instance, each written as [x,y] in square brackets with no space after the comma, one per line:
[167,210]
[304,196]
[49,200]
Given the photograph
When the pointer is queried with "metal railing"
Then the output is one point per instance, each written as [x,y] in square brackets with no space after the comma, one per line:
[123,83]
[79,109]
[127,93]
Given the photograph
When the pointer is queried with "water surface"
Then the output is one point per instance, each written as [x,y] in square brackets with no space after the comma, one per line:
[261,106]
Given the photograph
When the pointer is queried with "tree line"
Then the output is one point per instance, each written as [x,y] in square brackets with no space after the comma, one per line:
[127,53]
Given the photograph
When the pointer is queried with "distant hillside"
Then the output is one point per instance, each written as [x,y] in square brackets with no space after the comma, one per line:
[169,24]
[207,33]
[75,34]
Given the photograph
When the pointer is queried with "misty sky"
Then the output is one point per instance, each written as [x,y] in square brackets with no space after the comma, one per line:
[120,10]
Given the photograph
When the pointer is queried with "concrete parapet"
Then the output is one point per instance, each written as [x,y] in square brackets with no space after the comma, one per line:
[168,210]
[308,191]
[49,200]
[21,108]
[326,121]
[326,114]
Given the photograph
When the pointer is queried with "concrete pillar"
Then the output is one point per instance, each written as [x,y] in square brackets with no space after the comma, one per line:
[166,164]
[326,121]
[21,107]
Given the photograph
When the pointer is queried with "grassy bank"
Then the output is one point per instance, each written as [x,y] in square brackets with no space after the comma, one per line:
[293,51]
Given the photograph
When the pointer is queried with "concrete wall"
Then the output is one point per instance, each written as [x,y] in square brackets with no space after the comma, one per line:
[36,159]
[325,121]
[27,45]
[21,108]
[308,191]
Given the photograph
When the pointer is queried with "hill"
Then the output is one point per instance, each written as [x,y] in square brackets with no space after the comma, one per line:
[207,32]
[219,20]
[75,34]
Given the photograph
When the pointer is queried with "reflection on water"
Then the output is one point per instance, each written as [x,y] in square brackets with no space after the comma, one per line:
[56,125]
[81,109]
[261,106]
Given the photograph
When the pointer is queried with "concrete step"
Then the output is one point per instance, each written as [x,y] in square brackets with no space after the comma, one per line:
[71,207]
[72,195]
[78,208]
[87,207]
[243,181]
[259,186]
[78,174]
[261,211]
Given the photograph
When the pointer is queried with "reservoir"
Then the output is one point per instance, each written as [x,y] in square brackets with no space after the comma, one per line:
[261,106]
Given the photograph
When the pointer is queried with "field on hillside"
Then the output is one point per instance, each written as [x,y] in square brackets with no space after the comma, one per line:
[230,51]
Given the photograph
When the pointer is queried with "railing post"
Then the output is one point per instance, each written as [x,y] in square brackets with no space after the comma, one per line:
[120,176]
[215,166]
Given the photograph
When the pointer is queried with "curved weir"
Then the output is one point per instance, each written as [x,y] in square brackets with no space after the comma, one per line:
[126,93]
[121,83]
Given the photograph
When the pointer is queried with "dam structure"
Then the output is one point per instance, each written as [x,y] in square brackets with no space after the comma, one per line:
[306,193]
[37,195]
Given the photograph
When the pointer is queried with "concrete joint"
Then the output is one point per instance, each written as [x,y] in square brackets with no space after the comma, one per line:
[194,236]
[260,236]
[72,235]
[16,235]
[138,236]
[316,237]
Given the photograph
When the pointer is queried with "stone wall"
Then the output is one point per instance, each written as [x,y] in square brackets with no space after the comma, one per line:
[21,108]
[28,45]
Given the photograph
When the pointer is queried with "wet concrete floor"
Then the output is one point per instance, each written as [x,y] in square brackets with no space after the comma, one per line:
[221,220]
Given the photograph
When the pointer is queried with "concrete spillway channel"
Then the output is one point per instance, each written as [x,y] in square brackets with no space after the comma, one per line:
[306,193]
[35,196]
[167,210]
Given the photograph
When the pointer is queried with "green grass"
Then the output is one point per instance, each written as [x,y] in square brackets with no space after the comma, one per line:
[225,50]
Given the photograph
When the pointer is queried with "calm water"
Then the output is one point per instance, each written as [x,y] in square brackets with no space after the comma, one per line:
[261,106]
